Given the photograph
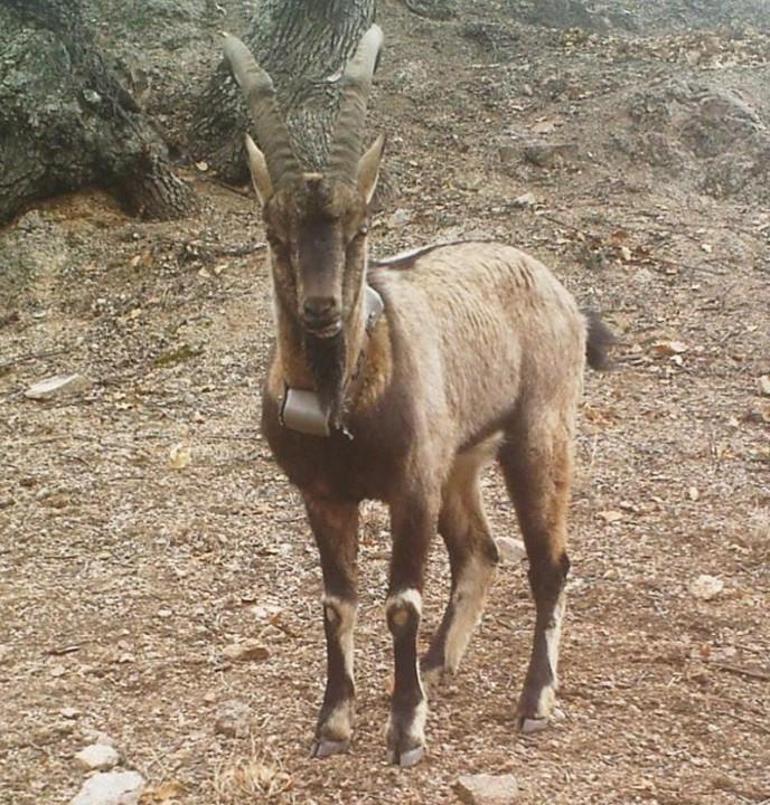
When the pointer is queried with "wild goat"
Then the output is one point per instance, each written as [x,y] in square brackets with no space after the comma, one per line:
[400,383]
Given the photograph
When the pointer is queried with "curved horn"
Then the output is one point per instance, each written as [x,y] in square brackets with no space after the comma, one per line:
[356,82]
[258,90]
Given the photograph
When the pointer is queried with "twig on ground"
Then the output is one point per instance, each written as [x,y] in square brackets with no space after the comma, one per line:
[737,669]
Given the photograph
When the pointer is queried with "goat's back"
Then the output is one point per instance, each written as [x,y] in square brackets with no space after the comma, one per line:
[484,328]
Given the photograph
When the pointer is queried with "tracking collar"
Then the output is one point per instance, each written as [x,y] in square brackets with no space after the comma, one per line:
[301,410]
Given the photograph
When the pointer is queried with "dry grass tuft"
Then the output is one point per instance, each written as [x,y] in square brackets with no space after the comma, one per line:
[256,778]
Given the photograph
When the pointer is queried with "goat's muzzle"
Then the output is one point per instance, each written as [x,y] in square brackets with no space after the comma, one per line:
[321,316]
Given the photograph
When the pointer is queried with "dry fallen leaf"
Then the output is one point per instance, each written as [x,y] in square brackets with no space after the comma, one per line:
[179,456]
[164,793]
[665,349]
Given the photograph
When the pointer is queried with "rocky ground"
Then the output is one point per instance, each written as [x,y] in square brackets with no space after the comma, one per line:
[145,535]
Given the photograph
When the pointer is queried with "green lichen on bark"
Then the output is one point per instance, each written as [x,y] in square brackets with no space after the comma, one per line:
[67,122]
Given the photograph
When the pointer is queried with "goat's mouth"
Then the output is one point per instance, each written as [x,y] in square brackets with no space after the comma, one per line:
[324,329]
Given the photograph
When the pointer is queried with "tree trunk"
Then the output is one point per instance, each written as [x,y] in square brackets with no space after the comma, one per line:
[433,9]
[66,121]
[302,45]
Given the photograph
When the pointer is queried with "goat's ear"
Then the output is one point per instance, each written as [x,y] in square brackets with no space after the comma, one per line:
[260,176]
[369,168]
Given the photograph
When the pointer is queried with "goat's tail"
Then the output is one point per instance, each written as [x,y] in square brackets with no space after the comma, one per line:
[600,339]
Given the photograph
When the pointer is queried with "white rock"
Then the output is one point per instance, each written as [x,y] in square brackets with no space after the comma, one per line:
[487,789]
[98,737]
[56,385]
[706,587]
[525,200]
[398,219]
[245,651]
[233,719]
[511,550]
[99,757]
[643,276]
[111,788]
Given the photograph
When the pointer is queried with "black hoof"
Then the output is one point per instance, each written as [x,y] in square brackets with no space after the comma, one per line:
[325,748]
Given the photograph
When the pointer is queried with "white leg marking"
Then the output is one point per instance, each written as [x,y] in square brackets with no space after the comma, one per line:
[409,597]
[547,700]
[553,636]
[416,733]
[345,611]
[468,604]
[338,723]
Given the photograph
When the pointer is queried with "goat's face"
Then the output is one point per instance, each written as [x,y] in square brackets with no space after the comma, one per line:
[316,223]
[316,230]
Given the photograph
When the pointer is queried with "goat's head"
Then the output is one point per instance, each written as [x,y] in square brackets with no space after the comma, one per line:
[316,222]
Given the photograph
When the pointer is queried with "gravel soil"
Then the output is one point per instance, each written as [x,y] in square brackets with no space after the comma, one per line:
[144,527]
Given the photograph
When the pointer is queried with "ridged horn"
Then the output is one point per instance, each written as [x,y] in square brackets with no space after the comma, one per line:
[356,81]
[257,87]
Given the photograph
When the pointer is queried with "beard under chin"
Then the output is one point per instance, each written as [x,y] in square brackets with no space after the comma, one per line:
[326,361]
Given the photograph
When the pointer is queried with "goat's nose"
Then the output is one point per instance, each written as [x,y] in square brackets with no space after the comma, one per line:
[320,308]
[321,315]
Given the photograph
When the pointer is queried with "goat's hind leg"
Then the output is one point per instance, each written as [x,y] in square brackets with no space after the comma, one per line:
[473,556]
[335,527]
[537,465]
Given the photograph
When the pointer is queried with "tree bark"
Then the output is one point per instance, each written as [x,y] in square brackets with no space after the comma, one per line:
[433,9]
[302,45]
[67,122]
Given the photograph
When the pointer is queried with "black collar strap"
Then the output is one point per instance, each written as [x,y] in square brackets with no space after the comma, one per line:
[301,410]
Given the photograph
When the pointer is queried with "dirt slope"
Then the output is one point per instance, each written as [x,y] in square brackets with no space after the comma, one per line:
[143,527]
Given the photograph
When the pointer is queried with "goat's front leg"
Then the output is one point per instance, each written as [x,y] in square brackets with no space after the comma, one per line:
[335,527]
[412,526]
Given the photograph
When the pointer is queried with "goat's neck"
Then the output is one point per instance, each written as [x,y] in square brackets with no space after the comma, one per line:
[290,360]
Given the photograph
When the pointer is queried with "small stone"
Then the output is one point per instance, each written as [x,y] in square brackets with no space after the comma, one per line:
[111,788]
[693,493]
[70,712]
[706,587]
[98,757]
[98,737]
[525,200]
[511,551]
[398,219]
[487,789]
[266,612]
[233,719]
[642,276]
[547,155]
[764,385]
[246,651]
[611,516]
[56,386]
